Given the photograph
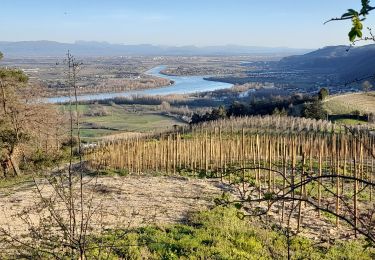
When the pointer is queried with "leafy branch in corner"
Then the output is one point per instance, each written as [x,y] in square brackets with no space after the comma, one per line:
[357,17]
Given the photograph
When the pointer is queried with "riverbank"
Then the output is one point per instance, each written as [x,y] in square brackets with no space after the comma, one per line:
[181,85]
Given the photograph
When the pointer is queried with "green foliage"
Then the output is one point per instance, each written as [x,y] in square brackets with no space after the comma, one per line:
[8,137]
[269,195]
[39,159]
[216,114]
[113,172]
[238,205]
[203,238]
[349,250]
[1,55]
[102,120]
[356,113]
[223,200]
[219,113]
[16,181]
[357,18]
[323,93]
[314,110]
[350,121]
[274,106]
[215,234]
[356,30]
[13,75]
[237,109]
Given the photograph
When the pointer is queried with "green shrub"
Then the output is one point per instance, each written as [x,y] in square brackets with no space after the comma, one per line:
[218,234]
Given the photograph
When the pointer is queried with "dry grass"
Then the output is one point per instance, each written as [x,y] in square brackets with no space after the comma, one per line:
[345,104]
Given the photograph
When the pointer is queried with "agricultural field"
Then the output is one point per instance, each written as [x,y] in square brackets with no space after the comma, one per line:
[105,121]
[106,74]
[311,176]
[240,188]
[347,103]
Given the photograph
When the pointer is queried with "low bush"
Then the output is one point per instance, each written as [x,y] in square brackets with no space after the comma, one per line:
[216,234]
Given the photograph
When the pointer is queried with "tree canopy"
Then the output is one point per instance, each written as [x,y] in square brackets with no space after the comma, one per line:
[314,110]
[323,93]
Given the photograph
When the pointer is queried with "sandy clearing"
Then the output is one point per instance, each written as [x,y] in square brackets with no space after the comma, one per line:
[139,200]
[123,201]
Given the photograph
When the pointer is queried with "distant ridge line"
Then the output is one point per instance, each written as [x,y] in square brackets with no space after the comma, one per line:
[88,48]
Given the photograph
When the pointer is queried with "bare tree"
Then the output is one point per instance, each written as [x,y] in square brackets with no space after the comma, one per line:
[63,218]
[23,121]
[366,86]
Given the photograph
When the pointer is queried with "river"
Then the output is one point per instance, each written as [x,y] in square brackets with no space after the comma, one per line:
[182,85]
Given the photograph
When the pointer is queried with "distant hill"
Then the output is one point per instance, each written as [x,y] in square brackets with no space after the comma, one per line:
[347,103]
[84,48]
[356,63]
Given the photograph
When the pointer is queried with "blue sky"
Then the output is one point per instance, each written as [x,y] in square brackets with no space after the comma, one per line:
[288,23]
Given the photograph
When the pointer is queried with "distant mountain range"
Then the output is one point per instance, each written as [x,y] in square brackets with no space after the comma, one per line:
[355,63]
[84,48]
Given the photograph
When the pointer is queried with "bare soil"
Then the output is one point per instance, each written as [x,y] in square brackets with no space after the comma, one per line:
[122,201]
[137,200]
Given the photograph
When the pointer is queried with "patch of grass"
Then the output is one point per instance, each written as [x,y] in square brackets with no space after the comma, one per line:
[110,172]
[215,234]
[330,217]
[81,108]
[15,181]
[120,119]
[95,133]
[133,121]
[350,121]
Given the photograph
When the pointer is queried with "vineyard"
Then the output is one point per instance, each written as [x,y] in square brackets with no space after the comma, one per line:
[286,165]
[346,104]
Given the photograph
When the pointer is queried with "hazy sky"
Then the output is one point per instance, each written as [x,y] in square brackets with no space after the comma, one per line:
[289,23]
